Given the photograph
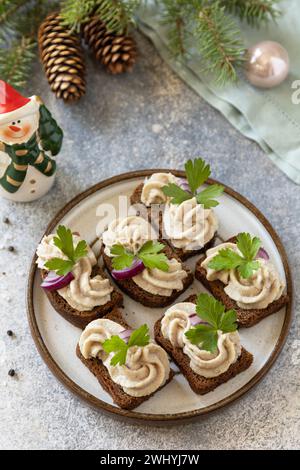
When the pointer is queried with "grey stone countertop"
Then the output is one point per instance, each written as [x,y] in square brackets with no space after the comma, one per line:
[146,119]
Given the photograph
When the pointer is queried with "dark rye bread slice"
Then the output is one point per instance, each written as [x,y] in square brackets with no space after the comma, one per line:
[120,398]
[77,318]
[145,298]
[199,384]
[181,253]
[185,254]
[246,318]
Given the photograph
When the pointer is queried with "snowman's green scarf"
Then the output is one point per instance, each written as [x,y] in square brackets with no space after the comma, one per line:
[30,153]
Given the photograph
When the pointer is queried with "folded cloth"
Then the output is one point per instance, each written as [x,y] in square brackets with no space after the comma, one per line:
[269,117]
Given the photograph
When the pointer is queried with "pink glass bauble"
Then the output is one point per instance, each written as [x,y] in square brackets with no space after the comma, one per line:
[267,64]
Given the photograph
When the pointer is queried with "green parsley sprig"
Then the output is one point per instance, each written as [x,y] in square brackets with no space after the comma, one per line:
[64,241]
[197,172]
[150,254]
[139,337]
[212,312]
[246,264]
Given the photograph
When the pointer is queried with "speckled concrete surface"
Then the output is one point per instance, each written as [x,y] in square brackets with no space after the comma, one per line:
[146,119]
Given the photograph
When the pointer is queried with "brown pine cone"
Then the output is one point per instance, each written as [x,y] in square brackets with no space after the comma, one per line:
[62,56]
[117,52]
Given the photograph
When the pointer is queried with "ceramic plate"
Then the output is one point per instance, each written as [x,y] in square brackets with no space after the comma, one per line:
[56,339]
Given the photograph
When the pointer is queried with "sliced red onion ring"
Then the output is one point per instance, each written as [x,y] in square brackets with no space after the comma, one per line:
[54,282]
[263,254]
[127,273]
[184,185]
[195,320]
[125,335]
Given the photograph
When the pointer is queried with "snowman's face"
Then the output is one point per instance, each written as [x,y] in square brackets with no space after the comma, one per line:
[19,130]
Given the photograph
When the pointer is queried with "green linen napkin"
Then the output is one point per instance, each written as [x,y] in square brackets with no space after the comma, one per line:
[267,116]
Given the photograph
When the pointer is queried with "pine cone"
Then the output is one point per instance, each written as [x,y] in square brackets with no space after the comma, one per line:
[117,52]
[62,56]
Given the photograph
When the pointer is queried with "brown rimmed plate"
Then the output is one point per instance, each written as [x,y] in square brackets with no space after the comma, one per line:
[56,339]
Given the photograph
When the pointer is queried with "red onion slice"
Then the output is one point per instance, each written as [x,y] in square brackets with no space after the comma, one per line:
[55,282]
[184,185]
[263,254]
[195,320]
[125,335]
[127,273]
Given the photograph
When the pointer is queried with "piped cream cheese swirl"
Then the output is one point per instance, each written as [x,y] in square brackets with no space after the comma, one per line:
[188,225]
[176,322]
[159,282]
[84,292]
[256,292]
[131,232]
[152,192]
[94,335]
[147,368]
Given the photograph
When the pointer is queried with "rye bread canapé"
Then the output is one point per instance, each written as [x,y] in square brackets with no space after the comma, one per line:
[126,363]
[182,208]
[72,279]
[202,339]
[240,274]
[144,268]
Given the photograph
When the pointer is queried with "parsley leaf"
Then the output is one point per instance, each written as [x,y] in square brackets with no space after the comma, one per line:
[64,242]
[122,259]
[117,345]
[197,172]
[227,259]
[139,337]
[177,194]
[60,266]
[206,197]
[248,246]
[210,310]
[203,336]
[149,254]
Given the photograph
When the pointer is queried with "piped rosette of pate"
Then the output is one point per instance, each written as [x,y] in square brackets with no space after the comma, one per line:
[187,222]
[202,339]
[240,274]
[72,279]
[128,365]
[143,267]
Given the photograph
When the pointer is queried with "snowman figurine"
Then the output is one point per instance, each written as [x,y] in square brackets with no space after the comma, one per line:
[29,138]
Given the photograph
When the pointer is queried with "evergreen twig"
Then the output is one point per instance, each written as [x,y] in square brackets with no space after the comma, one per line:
[219,43]
[19,21]
[254,12]
[15,61]
[116,14]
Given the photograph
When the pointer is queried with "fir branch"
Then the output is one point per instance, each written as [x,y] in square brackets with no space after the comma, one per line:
[219,42]
[76,12]
[19,20]
[8,8]
[254,12]
[15,61]
[117,15]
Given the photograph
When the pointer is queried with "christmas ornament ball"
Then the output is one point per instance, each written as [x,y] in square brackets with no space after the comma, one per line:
[267,64]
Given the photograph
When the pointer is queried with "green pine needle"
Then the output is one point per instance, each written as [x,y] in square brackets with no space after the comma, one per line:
[19,22]
[15,61]
[254,12]
[117,15]
[219,43]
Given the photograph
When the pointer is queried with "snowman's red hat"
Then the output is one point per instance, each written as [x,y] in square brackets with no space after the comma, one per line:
[13,105]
